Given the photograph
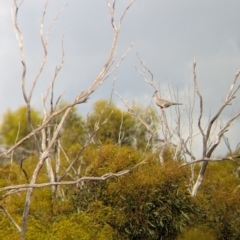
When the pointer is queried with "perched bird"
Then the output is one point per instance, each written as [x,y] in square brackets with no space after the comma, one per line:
[163,103]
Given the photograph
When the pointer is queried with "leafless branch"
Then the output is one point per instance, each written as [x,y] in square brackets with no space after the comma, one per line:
[201,105]
[96,128]
[24,187]
[220,134]
[208,150]
[50,134]
[10,218]
[232,158]
[134,113]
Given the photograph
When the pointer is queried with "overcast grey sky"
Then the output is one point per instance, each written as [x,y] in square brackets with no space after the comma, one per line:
[166,35]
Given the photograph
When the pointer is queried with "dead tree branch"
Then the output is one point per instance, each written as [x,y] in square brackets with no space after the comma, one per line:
[50,134]
[207,151]
[10,218]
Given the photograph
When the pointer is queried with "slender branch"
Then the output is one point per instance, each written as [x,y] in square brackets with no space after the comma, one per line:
[11,219]
[201,107]
[231,93]
[232,158]
[134,113]
[19,38]
[96,128]
[85,178]
[48,142]
[220,134]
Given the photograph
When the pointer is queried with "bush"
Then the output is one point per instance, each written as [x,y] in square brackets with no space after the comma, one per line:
[149,203]
[219,202]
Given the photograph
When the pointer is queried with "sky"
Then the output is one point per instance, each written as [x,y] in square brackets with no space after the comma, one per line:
[166,36]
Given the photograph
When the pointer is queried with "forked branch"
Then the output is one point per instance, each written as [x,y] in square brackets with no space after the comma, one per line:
[207,152]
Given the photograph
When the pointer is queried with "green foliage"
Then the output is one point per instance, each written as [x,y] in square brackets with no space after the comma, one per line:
[121,128]
[73,132]
[219,202]
[112,158]
[150,203]
[197,232]
[109,132]
[79,226]
[150,117]
[7,230]
[14,127]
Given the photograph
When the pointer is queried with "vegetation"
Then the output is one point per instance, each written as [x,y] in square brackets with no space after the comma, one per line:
[152,201]
[15,127]
[112,174]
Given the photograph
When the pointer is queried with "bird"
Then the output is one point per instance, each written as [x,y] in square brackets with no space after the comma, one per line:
[163,103]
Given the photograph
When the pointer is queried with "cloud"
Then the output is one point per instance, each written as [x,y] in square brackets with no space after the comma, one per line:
[166,34]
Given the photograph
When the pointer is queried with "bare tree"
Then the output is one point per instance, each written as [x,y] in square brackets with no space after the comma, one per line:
[208,144]
[168,132]
[49,131]
[46,145]
[173,135]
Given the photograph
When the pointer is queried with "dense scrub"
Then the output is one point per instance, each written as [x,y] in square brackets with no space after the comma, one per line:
[152,201]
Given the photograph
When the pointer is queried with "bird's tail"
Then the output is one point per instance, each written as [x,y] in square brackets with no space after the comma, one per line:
[177,104]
